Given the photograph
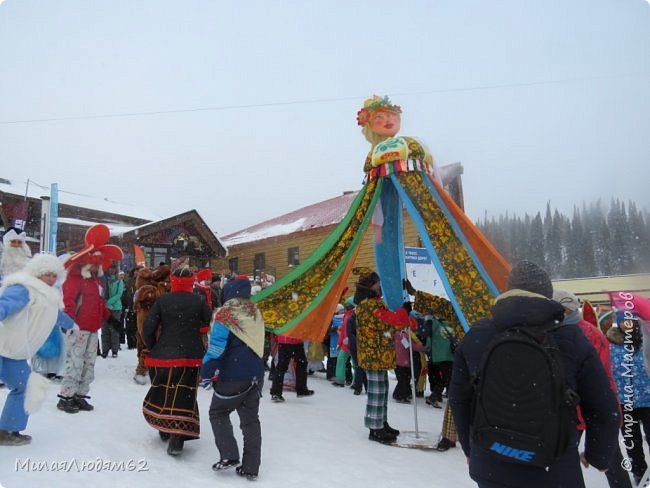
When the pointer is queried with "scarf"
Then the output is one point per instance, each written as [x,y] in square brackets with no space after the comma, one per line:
[572,319]
[241,317]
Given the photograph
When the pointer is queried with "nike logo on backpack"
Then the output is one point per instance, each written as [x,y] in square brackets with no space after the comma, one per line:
[508,451]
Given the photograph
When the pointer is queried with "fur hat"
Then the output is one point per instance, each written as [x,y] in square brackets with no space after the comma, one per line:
[566,299]
[526,275]
[13,234]
[43,263]
[240,287]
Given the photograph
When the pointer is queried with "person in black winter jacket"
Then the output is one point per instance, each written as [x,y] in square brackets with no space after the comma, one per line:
[528,302]
[174,332]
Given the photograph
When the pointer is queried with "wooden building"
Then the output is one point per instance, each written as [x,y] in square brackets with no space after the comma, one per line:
[269,250]
[186,234]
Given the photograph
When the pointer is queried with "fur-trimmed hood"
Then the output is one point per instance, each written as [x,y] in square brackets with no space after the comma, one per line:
[43,263]
[26,329]
[52,294]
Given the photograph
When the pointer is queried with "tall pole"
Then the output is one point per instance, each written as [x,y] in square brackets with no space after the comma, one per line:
[408,330]
[54,215]
[45,223]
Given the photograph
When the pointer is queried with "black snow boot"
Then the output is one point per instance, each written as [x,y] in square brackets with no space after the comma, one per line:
[245,474]
[67,404]
[390,430]
[175,447]
[224,464]
[380,435]
[81,402]
[445,444]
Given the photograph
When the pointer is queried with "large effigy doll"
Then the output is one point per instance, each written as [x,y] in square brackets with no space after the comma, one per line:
[399,173]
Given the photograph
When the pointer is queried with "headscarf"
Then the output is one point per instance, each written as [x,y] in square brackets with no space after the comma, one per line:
[240,316]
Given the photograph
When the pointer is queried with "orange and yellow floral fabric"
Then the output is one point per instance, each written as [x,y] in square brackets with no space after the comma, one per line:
[375,344]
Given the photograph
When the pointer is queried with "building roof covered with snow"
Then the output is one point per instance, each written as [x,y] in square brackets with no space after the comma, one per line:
[314,216]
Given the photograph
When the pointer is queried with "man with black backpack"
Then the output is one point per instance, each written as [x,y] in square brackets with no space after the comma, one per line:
[517,379]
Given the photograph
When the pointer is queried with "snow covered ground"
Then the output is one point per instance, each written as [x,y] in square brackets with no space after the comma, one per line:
[308,442]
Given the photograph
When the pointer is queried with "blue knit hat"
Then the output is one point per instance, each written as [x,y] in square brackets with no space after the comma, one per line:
[240,287]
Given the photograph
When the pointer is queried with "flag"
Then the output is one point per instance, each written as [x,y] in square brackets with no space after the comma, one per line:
[631,305]
[138,252]
[20,215]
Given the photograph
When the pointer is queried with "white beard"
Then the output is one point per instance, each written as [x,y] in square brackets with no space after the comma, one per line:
[86,273]
[13,260]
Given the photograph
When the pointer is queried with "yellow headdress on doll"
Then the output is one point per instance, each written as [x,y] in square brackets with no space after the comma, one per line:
[372,104]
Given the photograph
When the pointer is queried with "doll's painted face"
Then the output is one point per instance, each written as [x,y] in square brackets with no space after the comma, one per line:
[385,123]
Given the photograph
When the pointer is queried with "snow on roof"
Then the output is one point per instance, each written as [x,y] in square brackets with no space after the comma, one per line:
[320,214]
[35,190]
[266,232]
[115,230]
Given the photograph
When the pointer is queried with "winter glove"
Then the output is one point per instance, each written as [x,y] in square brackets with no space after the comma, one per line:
[414,325]
[209,369]
[72,330]
[408,307]
[406,284]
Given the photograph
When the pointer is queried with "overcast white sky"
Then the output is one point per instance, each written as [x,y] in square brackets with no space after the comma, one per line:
[246,110]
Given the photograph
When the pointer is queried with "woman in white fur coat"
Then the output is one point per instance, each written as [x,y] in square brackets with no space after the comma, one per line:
[29,308]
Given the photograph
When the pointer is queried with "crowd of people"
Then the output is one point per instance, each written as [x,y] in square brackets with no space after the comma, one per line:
[523,385]
[53,308]
[182,335]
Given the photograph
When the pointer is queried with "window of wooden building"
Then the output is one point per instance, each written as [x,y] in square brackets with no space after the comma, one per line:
[155,256]
[233,265]
[293,256]
[259,263]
